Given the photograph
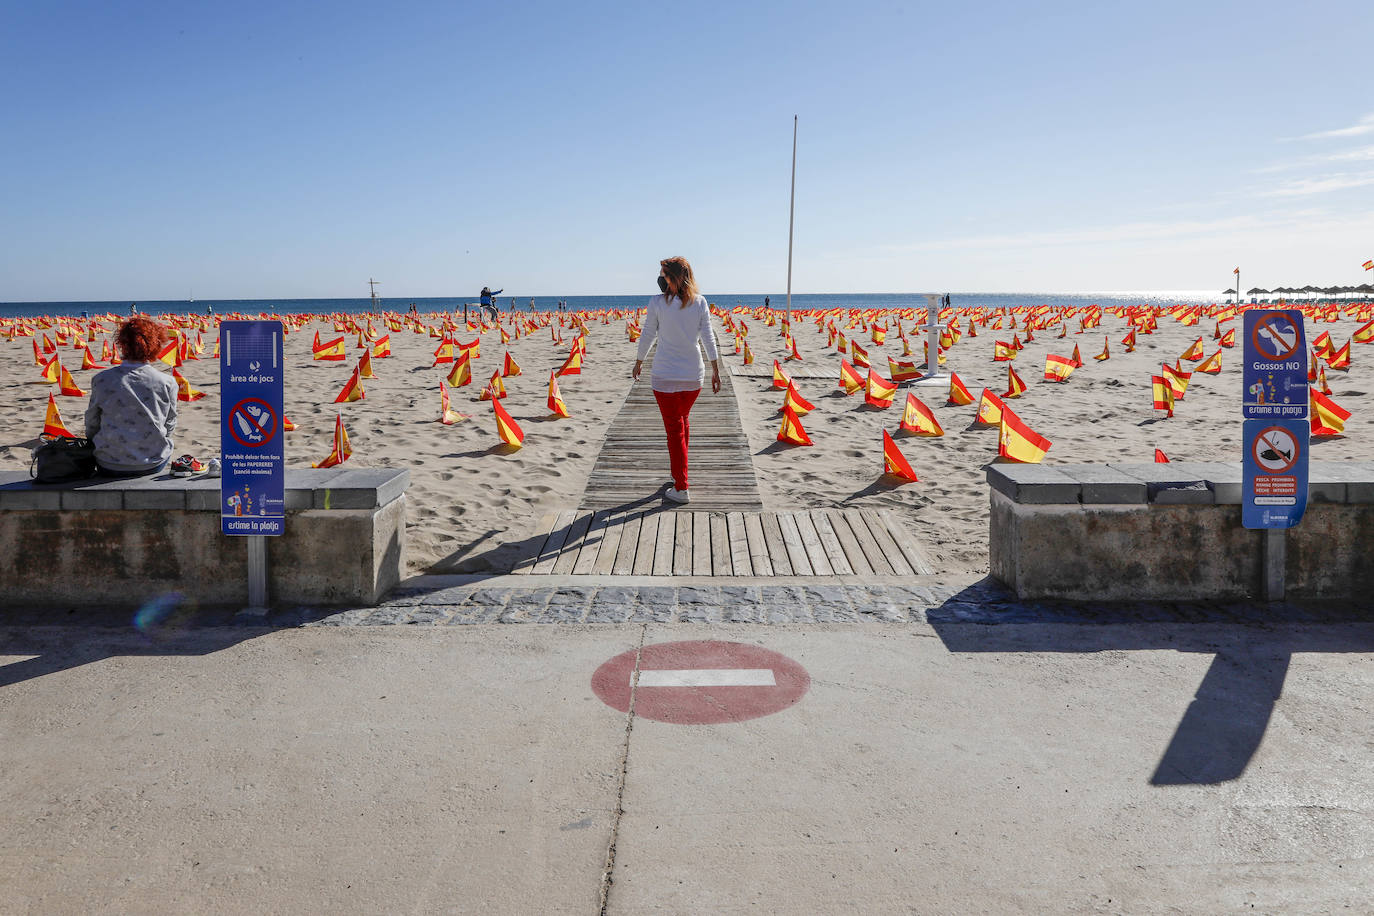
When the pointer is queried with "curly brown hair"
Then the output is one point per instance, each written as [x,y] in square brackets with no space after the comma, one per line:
[140,339]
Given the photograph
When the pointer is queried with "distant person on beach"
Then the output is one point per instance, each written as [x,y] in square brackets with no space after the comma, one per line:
[679,318]
[765,302]
[133,407]
[489,301]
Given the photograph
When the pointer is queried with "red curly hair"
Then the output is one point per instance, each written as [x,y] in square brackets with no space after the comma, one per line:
[140,339]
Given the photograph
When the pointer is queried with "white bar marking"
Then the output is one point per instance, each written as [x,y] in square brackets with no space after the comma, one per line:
[708,677]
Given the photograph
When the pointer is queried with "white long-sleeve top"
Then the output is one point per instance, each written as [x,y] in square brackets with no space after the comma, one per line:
[677,361]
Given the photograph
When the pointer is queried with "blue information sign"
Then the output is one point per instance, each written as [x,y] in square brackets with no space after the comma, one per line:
[1274,381]
[252,451]
[1274,473]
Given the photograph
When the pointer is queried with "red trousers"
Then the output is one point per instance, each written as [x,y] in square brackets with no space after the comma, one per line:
[675,406]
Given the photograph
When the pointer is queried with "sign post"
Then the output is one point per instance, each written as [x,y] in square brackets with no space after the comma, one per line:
[252,446]
[1274,409]
[933,376]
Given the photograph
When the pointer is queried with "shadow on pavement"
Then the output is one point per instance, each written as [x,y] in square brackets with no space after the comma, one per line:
[1252,645]
[49,642]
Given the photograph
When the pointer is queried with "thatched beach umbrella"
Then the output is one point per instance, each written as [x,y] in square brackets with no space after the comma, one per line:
[1228,292]
[1255,291]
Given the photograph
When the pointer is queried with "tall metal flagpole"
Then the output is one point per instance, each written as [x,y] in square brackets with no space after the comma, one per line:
[791,212]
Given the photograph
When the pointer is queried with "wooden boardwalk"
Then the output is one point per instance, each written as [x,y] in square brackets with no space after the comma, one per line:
[655,542]
[631,472]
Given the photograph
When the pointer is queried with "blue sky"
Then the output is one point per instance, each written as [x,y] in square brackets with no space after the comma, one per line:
[284,149]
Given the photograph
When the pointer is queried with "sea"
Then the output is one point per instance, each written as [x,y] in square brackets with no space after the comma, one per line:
[578,303]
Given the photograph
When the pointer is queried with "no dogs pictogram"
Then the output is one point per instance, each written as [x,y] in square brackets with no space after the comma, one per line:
[701,682]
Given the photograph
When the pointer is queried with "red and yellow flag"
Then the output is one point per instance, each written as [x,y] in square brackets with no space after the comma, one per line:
[1129,341]
[334,351]
[509,367]
[1364,333]
[53,427]
[1211,365]
[365,365]
[793,399]
[791,430]
[894,462]
[342,451]
[381,347]
[573,364]
[850,379]
[990,409]
[1015,386]
[495,390]
[461,374]
[1163,394]
[556,404]
[506,427]
[1002,351]
[879,392]
[902,371]
[171,352]
[1106,350]
[185,391]
[958,393]
[447,415]
[780,378]
[352,389]
[1058,368]
[1193,353]
[1160,457]
[1229,338]
[1328,417]
[748,354]
[1018,442]
[66,385]
[859,355]
[1340,359]
[88,359]
[918,419]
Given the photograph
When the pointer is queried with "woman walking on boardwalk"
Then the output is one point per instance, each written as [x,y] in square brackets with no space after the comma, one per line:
[678,317]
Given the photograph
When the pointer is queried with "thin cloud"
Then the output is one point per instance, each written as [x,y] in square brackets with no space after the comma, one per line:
[1362,154]
[1303,186]
[1364,126]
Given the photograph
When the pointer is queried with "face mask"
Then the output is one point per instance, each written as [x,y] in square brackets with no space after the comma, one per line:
[662,285]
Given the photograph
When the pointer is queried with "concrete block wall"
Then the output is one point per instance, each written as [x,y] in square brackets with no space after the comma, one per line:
[128,542]
[1172,531]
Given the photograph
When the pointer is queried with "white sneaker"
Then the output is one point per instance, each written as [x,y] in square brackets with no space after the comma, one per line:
[678,496]
[212,468]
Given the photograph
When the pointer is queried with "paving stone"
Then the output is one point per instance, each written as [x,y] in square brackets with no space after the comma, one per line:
[654,613]
[1102,483]
[430,614]
[1033,483]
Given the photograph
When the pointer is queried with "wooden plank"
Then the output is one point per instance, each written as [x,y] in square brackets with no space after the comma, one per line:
[777,549]
[701,543]
[796,550]
[541,535]
[663,545]
[648,537]
[718,535]
[611,529]
[920,563]
[624,563]
[834,552]
[739,544]
[758,544]
[591,545]
[885,542]
[557,538]
[682,544]
[872,552]
[853,550]
[820,563]
[577,535]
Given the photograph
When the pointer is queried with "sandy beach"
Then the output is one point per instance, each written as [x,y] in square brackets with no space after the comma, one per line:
[471,498]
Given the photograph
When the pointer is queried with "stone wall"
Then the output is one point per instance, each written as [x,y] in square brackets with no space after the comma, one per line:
[131,542]
[1172,531]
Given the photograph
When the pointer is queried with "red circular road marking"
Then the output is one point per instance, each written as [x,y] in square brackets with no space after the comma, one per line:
[702,682]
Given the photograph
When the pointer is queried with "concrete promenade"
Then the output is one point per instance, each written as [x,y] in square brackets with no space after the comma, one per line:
[956,751]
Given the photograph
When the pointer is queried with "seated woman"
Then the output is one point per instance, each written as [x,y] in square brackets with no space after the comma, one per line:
[133,408]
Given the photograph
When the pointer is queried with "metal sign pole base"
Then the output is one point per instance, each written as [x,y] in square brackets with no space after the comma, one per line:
[257,577]
[1275,559]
